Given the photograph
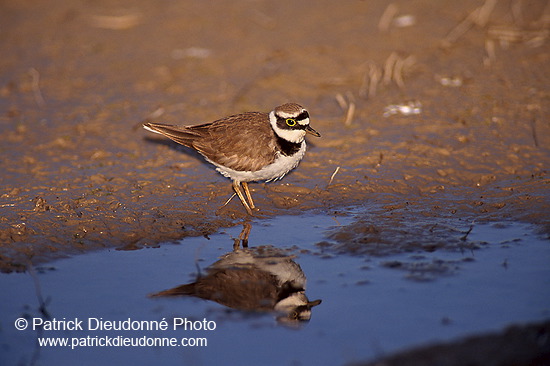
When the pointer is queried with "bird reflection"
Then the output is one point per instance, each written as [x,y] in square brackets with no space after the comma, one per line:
[259,279]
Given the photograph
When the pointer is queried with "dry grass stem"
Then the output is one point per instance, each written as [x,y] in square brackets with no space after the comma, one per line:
[375,74]
[480,17]
[533,36]
[150,118]
[458,31]
[484,12]
[350,113]
[116,22]
[398,72]
[347,104]
[534,132]
[389,67]
[156,113]
[491,53]
[36,87]
[341,101]
[394,68]
[371,79]
[38,291]
[333,175]
[228,200]
[387,17]
[507,34]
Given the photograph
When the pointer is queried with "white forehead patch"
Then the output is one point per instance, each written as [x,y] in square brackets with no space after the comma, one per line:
[304,122]
[288,115]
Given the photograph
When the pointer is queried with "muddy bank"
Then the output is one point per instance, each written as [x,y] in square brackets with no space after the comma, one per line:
[77,80]
[518,345]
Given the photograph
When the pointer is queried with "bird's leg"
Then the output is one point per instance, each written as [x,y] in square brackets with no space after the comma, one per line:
[243,237]
[245,234]
[237,188]
[247,192]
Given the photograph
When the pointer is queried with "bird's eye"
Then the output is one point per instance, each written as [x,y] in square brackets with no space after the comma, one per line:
[291,122]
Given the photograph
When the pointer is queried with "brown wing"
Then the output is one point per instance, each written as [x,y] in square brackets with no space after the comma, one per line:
[239,288]
[244,288]
[242,142]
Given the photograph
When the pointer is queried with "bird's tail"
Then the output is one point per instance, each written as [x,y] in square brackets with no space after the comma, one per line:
[182,290]
[181,135]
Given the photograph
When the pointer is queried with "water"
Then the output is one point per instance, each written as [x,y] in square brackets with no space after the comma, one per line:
[370,306]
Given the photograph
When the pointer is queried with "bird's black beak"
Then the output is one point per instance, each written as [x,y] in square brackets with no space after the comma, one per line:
[312,131]
[313,303]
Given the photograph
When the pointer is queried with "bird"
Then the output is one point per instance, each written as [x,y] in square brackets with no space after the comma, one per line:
[248,147]
[260,279]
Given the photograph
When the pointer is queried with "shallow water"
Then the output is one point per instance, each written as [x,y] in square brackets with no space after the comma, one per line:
[80,176]
[371,305]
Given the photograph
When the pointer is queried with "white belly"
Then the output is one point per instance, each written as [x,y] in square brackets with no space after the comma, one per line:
[276,170]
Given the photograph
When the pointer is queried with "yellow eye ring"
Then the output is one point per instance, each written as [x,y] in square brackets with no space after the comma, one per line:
[291,122]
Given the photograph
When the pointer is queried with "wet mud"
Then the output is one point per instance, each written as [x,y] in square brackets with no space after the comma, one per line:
[429,116]
[531,347]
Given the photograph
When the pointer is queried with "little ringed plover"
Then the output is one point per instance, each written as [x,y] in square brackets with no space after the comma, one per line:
[247,147]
